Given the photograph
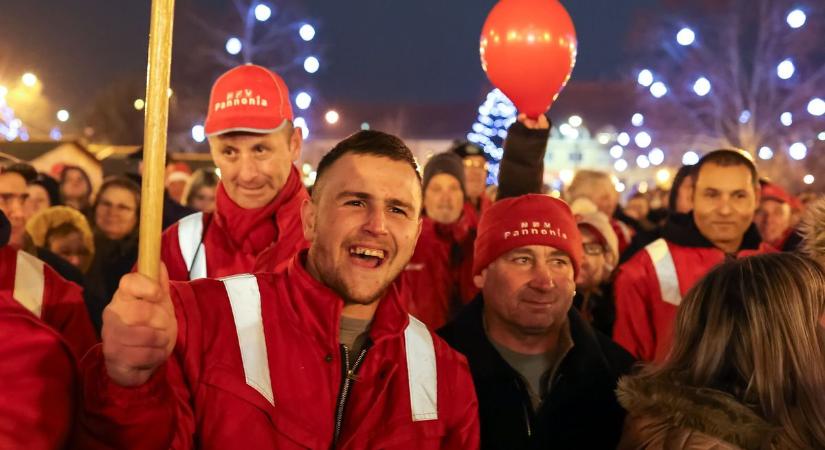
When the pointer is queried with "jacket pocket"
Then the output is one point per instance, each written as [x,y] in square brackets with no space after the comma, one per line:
[245,402]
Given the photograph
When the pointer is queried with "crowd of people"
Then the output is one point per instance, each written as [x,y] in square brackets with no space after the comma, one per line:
[392,306]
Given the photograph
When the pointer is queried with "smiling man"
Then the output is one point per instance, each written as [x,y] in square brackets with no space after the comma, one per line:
[257,209]
[544,378]
[650,286]
[320,355]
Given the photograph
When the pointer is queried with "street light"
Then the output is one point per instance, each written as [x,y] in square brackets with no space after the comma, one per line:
[796,18]
[786,119]
[233,46]
[765,153]
[623,139]
[620,165]
[307,32]
[139,104]
[645,78]
[656,156]
[263,12]
[303,100]
[616,151]
[198,134]
[643,139]
[637,120]
[690,158]
[331,117]
[798,151]
[701,87]
[29,79]
[816,107]
[685,36]
[311,64]
[658,89]
[575,121]
[785,69]
[642,162]
[63,115]
[808,179]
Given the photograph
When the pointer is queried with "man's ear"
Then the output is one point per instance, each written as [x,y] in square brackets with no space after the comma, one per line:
[479,279]
[296,142]
[308,212]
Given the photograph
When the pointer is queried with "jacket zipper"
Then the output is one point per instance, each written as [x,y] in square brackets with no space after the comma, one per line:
[348,376]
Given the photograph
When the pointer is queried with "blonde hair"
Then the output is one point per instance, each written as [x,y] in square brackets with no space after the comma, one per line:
[586,182]
[199,179]
[752,328]
[812,229]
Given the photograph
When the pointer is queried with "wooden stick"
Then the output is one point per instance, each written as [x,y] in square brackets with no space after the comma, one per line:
[154,136]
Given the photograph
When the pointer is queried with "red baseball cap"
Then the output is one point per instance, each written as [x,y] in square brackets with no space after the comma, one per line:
[248,98]
[772,191]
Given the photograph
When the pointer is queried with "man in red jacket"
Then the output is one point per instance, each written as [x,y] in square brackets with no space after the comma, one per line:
[650,286]
[319,355]
[39,289]
[253,143]
[439,275]
[38,391]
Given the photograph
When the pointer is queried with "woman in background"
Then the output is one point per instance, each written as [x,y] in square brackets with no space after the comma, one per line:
[747,369]
[199,193]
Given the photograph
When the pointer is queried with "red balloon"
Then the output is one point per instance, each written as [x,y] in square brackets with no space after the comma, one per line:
[528,49]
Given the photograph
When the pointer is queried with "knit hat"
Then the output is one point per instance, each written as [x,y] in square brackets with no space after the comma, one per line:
[248,98]
[448,163]
[39,226]
[598,223]
[464,149]
[530,219]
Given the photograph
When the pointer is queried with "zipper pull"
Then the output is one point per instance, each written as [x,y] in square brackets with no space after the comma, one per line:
[351,375]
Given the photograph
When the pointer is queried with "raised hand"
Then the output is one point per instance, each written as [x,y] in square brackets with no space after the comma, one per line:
[139,328]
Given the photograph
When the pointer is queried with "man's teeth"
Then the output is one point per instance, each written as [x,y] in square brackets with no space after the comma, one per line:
[367,252]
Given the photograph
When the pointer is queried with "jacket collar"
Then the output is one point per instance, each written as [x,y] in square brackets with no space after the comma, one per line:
[681,229]
[458,232]
[253,230]
[708,411]
[319,307]
[585,361]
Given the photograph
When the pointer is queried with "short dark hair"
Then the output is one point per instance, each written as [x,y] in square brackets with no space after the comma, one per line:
[25,170]
[372,143]
[728,158]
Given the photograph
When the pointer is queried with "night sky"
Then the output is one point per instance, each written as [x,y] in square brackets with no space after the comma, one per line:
[375,50]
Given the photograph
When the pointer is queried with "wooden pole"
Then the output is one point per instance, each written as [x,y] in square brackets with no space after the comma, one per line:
[154,136]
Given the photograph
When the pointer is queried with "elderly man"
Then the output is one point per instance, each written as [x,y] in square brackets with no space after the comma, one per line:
[253,143]
[319,355]
[543,376]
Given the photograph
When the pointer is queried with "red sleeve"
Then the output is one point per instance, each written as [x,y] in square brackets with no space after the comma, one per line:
[634,323]
[65,310]
[155,415]
[463,428]
[38,391]
[171,256]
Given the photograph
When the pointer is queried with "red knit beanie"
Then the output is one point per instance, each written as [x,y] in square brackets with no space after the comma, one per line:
[530,219]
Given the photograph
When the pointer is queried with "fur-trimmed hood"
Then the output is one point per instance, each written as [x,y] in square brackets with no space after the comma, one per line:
[812,230]
[711,412]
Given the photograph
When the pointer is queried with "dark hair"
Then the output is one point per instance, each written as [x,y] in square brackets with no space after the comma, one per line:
[64,229]
[25,170]
[685,172]
[123,183]
[728,158]
[50,185]
[201,178]
[372,143]
[66,170]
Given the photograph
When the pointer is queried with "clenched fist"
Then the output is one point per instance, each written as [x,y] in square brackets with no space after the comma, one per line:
[139,328]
